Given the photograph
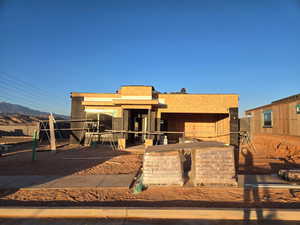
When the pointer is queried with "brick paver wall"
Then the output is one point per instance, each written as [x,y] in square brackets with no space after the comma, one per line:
[163,168]
[213,166]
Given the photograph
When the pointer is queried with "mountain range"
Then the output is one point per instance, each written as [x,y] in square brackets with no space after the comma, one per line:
[9,108]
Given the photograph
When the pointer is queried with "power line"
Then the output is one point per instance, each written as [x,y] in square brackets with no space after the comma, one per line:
[28,92]
[28,86]
[17,93]
[13,97]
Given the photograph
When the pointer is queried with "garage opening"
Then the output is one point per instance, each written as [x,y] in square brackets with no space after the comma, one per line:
[200,126]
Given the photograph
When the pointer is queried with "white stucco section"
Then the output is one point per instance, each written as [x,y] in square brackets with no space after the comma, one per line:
[95,99]
[106,111]
[161,101]
[137,97]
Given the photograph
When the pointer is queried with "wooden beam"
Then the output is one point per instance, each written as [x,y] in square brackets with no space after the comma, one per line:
[52,133]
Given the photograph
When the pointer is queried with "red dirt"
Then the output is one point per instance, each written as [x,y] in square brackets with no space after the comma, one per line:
[71,160]
[271,153]
[103,160]
[154,196]
[276,146]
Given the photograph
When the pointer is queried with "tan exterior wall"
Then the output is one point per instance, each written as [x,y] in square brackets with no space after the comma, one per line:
[222,130]
[294,119]
[284,117]
[201,126]
[96,95]
[136,91]
[198,103]
[166,103]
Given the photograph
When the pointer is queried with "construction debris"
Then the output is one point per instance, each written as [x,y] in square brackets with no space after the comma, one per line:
[290,175]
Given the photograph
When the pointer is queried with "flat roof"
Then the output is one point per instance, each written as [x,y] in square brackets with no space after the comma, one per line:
[98,93]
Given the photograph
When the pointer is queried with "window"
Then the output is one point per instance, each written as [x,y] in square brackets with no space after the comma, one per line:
[267,118]
[298,109]
[98,122]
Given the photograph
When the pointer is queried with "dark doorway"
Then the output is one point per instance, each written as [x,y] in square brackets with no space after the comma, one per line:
[137,121]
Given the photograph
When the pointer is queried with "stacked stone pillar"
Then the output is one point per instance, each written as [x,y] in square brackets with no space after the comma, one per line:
[163,168]
[214,166]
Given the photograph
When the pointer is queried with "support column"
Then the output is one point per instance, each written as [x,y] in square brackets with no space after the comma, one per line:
[234,126]
[158,118]
[77,113]
[234,129]
[125,122]
[149,122]
[149,139]
[122,139]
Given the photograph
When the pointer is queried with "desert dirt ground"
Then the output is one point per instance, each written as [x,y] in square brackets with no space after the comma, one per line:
[79,160]
[76,160]
[268,154]
[153,197]
[70,160]
[138,222]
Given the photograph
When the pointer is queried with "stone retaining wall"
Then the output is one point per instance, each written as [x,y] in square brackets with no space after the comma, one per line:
[163,168]
[213,166]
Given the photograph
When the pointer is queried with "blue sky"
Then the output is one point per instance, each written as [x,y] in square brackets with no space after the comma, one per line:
[51,48]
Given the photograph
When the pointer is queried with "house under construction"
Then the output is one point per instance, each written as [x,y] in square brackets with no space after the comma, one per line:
[140,114]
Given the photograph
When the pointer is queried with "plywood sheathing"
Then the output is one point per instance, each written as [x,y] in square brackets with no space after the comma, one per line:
[136,91]
[134,102]
[206,127]
[198,103]
[285,119]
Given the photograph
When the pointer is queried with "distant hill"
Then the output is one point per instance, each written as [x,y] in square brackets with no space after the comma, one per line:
[8,108]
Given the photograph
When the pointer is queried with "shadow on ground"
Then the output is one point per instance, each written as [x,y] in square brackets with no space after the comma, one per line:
[64,162]
[83,221]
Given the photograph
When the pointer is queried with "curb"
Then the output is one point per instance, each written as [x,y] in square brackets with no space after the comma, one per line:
[153,213]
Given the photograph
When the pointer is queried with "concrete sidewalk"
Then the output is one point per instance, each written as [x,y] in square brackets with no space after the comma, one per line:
[97,181]
[260,179]
[176,213]
[71,181]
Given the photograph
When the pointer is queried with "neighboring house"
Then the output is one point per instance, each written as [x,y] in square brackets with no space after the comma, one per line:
[141,108]
[281,117]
